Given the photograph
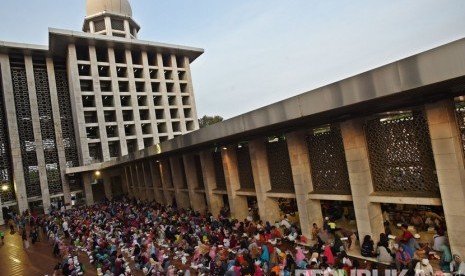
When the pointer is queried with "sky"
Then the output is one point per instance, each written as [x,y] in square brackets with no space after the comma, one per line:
[258,52]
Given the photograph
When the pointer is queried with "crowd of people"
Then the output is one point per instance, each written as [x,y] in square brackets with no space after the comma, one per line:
[123,236]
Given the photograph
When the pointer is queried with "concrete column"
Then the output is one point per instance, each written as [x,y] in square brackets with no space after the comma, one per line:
[99,104]
[268,208]
[37,133]
[15,144]
[309,210]
[197,199]
[149,190]
[368,215]
[166,180]
[108,29]
[58,131]
[238,204]
[148,92]
[177,92]
[214,201]
[163,90]
[91,27]
[125,178]
[182,197]
[87,178]
[157,182]
[190,89]
[127,28]
[117,101]
[107,185]
[448,157]
[135,106]
[134,180]
[76,106]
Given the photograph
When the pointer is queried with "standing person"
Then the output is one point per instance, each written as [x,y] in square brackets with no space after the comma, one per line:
[11,223]
[25,240]
[65,228]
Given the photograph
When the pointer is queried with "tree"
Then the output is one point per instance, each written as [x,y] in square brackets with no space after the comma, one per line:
[209,120]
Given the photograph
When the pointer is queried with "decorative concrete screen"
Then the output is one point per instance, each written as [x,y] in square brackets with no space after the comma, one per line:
[327,160]
[460,114]
[47,128]
[67,125]
[219,171]
[245,167]
[400,153]
[24,120]
[5,154]
[279,165]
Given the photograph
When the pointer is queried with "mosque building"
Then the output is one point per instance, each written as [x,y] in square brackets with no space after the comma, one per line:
[99,113]
[86,98]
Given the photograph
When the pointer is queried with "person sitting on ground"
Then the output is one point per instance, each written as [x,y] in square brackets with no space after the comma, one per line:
[457,267]
[367,249]
[403,259]
[406,234]
[439,239]
[417,248]
[383,253]
[423,268]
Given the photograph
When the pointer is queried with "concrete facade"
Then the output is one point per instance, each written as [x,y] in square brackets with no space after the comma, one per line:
[429,85]
[109,94]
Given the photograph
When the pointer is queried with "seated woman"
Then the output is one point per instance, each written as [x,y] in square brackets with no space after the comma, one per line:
[403,259]
[368,249]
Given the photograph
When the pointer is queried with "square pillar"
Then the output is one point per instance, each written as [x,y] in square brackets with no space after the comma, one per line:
[309,210]
[182,197]
[87,179]
[166,180]
[13,131]
[448,157]
[197,199]
[368,215]
[268,207]
[238,204]
[214,201]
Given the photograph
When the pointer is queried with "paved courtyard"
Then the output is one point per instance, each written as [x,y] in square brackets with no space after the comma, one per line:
[38,260]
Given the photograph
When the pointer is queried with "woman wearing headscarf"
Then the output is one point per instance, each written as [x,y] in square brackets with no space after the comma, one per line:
[265,256]
[328,254]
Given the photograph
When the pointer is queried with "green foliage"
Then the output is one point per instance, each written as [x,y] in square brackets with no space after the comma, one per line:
[209,120]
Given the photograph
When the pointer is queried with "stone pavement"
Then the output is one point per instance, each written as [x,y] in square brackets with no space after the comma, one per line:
[37,260]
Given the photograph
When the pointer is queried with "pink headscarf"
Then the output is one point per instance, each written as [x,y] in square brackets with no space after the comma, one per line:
[329,254]
[299,256]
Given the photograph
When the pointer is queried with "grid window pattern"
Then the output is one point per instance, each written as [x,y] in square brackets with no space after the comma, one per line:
[279,166]
[245,167]
[24,120]
[117,24]
[327,160]
[67,125]
[47,131]
[401,157]
[219,171]
[99,25]
[5,154]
